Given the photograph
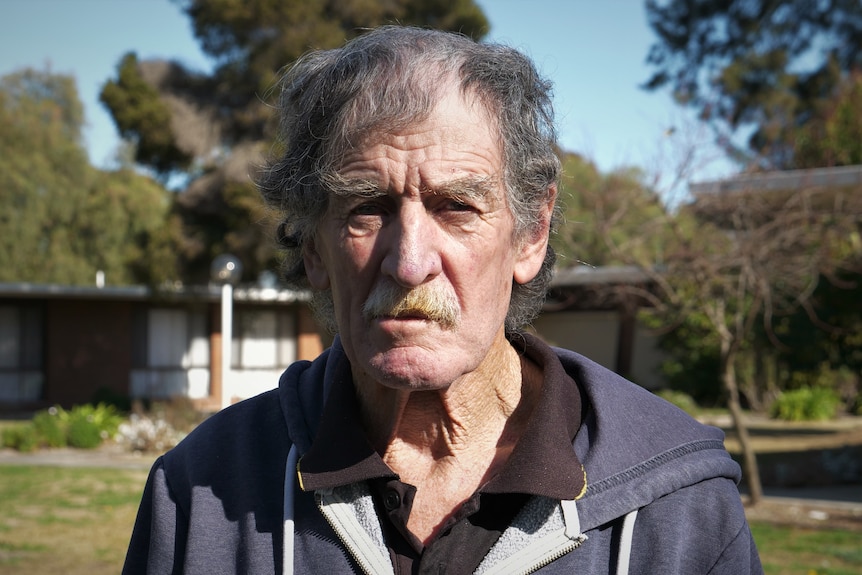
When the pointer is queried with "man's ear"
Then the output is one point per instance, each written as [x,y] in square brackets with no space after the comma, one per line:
[533,248]
[315,267]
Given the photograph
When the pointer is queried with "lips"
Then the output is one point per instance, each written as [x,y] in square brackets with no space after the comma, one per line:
[411,314]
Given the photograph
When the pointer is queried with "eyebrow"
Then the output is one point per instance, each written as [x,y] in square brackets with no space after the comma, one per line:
[349,187]
[467,188]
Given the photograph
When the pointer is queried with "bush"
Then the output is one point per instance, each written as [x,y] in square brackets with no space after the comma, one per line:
[806,404]
[148,434]
[680,399]
[105,418]
[50,428]
[83,432]
[84,426]
[20,437]
[161,427]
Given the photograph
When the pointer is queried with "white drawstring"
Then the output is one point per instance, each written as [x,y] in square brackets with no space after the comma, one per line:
[571,519]
[626,538]
[289,480]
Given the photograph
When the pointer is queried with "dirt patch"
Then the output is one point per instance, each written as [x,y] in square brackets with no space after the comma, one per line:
[808,515]
[769,435]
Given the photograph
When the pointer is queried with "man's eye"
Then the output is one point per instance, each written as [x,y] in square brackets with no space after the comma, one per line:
[368,209]
[457,206]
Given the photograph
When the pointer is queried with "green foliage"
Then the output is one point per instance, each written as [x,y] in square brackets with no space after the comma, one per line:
[142,116]
[682,400]
[83,426]
[20,437]
[691,348]
[61,220]
[105,418]
[764,64]
[43,174]
[50,428]
[833,137]
[610,218]
[806,404]
[252,39]
[826,351]
[83,433]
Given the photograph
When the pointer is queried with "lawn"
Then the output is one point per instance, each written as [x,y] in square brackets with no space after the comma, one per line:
[77,521]
[74,521]
[792,551]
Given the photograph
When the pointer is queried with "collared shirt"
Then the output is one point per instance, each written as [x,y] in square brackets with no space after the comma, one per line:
[542,463]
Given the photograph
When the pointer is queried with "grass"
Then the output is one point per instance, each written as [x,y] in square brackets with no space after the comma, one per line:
[792,550]
[77,521]
[74,521]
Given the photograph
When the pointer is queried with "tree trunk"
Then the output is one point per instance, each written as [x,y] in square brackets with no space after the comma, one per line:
[749,458]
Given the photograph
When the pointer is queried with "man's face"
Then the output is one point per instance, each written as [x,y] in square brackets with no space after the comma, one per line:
[418,250]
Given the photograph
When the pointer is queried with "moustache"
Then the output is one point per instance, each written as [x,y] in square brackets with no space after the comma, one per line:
[431,303]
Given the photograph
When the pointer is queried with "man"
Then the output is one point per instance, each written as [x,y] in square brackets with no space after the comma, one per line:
[416,178]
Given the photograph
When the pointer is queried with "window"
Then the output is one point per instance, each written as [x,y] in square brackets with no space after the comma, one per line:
[171,353]
[263,339]
[21,356]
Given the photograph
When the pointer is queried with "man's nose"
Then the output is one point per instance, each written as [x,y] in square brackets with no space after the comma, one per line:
[412,253]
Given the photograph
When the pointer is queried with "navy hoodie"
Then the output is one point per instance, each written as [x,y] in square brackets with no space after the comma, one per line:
[661,494]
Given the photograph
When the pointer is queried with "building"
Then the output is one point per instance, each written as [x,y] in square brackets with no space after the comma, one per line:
[593,311]
[70,345]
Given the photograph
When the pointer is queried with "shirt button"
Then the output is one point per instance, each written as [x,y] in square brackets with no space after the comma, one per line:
[391,500]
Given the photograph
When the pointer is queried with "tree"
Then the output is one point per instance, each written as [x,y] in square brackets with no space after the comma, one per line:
[734,262]
[833,136]
[601,209]
[213,129]
[61,219]
[764,66]
[142,117]
[758,254]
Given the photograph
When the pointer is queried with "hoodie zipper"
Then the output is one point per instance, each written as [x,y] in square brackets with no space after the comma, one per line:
[530,559]
[352,535]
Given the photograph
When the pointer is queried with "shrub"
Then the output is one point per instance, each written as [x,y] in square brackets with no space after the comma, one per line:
[20,437]
[50,428]
[148,434]
[680,399]
[83,432]
[104,417]
[806,404]
[84,426]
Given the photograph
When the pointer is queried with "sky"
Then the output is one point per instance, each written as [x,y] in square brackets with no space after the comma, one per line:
[594,51]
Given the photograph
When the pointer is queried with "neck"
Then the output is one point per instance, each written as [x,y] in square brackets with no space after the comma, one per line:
[449,442]
[476,420]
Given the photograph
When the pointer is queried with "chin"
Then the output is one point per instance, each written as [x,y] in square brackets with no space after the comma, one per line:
[406,375]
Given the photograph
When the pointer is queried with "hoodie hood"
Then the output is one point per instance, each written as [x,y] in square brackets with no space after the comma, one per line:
[302,396]
[637,447]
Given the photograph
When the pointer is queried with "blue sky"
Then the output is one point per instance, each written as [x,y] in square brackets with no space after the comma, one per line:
[593,50]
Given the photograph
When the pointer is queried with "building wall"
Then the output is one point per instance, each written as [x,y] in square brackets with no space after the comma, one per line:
[647,359]
[595,334]
[88,347]
[66,350]
[591,333]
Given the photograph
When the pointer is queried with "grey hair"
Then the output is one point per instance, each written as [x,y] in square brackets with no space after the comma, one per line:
[384,81]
